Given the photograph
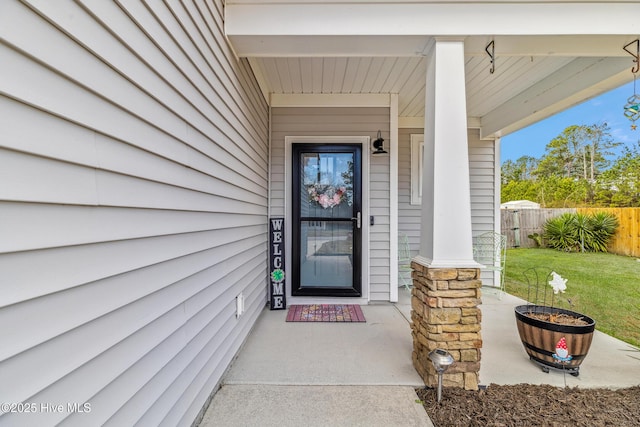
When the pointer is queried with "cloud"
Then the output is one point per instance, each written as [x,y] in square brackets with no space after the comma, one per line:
[621,135]
[625,135]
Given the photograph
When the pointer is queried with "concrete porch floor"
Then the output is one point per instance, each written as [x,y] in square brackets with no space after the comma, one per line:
[361,374]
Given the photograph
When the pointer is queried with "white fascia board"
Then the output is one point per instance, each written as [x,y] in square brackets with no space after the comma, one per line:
[473,123]
[418,122]
[330,100]
[432,18]
[410,45]
[578,81]
[550,45]
[411,122]
[325,45]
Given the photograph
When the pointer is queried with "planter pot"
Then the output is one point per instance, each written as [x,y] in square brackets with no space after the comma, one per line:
[540,337]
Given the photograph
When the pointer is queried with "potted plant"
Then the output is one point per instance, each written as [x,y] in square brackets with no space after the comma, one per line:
[553,337]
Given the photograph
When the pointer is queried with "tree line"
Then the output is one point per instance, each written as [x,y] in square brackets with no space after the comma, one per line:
[578,169]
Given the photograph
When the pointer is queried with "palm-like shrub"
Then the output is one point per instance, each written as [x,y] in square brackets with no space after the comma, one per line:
[604,228]
[580,232]
[560,233]
[584,230]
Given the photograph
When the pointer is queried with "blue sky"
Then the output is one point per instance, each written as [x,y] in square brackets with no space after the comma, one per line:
[608,107]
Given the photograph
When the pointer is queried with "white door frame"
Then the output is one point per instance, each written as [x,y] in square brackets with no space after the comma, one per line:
[364,141]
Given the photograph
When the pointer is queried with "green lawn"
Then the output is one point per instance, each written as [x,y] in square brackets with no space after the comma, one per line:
[605,287]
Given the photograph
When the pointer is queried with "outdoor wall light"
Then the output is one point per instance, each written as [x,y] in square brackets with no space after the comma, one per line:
[378,145]
[441,360]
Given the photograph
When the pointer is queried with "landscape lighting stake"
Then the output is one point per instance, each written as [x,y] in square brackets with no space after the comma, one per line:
[441,360]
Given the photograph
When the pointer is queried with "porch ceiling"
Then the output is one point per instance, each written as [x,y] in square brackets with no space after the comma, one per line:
[538,72]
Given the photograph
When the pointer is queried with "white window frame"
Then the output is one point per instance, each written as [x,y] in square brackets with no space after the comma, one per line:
[417,159]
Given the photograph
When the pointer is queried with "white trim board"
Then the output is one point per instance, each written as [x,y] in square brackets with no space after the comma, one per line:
[417,155]
[418,123]
[365,141]
[330,100]
[393,199]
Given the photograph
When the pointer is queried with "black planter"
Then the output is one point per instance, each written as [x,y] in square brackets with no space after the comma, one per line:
[540,337]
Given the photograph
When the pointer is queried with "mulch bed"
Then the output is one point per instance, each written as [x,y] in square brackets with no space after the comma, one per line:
[533,405]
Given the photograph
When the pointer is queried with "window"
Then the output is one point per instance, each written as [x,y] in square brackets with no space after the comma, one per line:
[417,156]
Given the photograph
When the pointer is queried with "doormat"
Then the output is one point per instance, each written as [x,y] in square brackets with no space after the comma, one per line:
[325,313]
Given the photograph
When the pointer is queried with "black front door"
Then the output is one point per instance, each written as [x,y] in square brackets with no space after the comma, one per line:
[327,220]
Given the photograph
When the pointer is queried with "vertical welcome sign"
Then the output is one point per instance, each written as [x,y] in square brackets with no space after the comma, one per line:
[276,264]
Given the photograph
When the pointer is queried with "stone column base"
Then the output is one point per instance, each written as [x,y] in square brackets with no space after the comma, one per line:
[445,315]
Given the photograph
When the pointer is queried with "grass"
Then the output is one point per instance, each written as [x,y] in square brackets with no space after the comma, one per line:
[603,286]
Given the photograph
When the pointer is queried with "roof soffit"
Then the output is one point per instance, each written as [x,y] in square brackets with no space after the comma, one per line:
[355,47]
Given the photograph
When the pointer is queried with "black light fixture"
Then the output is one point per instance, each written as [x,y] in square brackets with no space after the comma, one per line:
[378,145]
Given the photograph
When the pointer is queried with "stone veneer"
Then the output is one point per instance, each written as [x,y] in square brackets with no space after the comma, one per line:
[445,315]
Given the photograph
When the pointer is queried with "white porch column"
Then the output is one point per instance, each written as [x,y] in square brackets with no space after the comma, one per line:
[446,206]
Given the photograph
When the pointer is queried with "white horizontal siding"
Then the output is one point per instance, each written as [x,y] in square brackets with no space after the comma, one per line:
[379,235]
[36,179]
[133,208]
[482,179]
[408,214]
[23,228]
[341,121]
[482,170]
[60,263]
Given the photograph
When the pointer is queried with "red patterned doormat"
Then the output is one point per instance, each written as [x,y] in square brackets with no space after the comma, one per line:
[325,313]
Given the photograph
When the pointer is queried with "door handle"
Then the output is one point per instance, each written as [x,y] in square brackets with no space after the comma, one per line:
[358,220]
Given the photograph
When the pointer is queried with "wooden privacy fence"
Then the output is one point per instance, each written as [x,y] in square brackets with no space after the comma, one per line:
[627,239]
[518,224]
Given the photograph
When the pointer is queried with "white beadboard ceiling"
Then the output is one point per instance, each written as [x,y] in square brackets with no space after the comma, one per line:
[490,96]
[549,55]
[404,76]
